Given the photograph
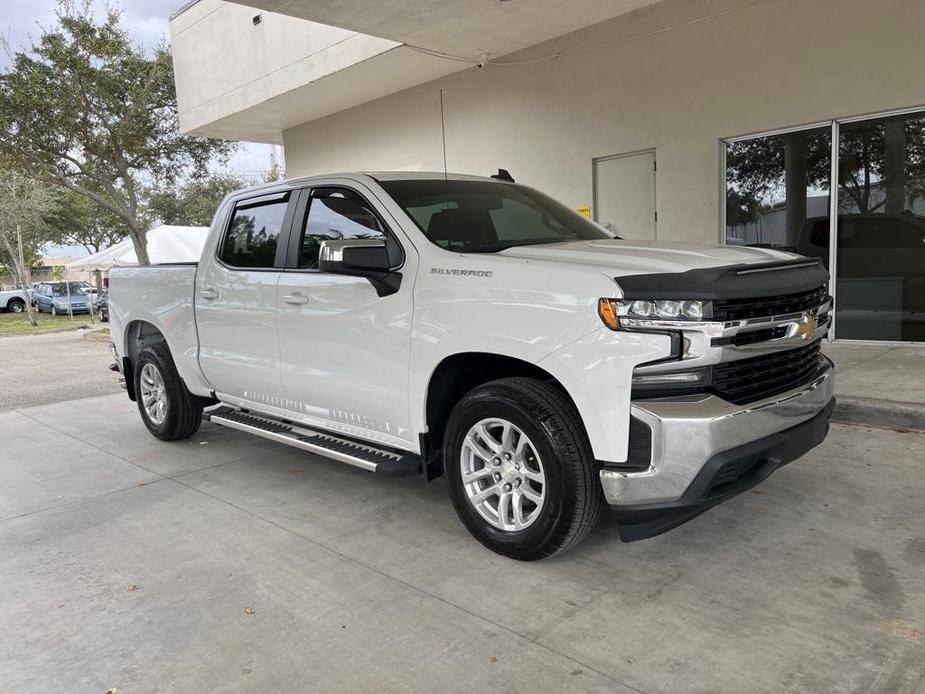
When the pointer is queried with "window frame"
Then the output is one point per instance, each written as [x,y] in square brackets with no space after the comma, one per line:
[282,240]
[300,221]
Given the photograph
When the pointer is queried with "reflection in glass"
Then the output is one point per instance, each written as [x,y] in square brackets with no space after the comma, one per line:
[777,191]
[881,229]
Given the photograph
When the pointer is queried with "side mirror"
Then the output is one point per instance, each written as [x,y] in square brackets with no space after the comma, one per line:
[362,257]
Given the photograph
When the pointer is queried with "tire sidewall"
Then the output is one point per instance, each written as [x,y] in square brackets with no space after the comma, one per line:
[17,307]
[150,355]
[483,405]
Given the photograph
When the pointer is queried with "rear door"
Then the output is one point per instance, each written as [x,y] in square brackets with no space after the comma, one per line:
[344,348]
[236,312]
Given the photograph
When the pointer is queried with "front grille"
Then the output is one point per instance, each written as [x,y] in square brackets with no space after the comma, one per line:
[747,380]
[764,307]
[751,337]
[733,474]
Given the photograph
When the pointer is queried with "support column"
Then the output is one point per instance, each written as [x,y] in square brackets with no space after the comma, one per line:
[795,180]
[894,166]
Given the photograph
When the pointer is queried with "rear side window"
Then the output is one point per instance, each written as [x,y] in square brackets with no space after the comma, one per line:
[254,232]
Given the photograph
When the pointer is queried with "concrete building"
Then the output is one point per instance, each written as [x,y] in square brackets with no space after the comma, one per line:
[678,120]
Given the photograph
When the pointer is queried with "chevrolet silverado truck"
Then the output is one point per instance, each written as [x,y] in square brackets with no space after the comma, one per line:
[474,328]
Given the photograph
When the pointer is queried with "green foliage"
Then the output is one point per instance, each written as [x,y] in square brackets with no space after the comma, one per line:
[86,110]
[24,203]
[191,204]
[76,220]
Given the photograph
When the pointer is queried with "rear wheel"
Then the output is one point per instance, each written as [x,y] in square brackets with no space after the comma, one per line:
[16,305]
[167,408]
[519,468]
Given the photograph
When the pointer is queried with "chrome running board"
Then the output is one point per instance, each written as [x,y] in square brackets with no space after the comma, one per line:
[361,455]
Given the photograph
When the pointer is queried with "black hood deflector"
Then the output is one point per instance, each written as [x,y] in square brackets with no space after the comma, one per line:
[740,281]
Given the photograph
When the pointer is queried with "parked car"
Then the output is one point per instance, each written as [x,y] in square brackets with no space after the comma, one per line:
[417,324]
[55,297]
[102,306]
[13,301]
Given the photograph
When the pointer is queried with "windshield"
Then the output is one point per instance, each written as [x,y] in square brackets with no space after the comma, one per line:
[77,289]
[485,217]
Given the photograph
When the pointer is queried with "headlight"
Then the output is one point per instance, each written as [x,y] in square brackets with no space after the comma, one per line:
[612,310]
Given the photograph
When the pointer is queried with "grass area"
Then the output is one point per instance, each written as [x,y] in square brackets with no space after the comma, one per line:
[18,323]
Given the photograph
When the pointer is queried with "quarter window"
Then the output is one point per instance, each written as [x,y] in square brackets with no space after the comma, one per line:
[253,234]
[336,215]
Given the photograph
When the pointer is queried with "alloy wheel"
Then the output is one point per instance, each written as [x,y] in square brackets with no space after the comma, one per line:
[502,474]
[153,394]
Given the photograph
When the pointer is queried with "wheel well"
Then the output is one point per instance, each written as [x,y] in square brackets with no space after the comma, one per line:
[15,300]
[457,375]
[138,334]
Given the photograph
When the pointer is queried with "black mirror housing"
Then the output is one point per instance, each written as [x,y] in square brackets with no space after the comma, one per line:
[360,257]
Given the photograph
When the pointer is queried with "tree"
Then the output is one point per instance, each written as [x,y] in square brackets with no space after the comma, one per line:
[23,206]
[85,110]
[76,220]
[192,204]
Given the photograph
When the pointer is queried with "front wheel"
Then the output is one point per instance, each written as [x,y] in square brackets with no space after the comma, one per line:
[519,468]
[167,408]
[54,311]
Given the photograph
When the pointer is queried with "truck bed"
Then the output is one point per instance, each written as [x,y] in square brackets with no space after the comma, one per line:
[161,295]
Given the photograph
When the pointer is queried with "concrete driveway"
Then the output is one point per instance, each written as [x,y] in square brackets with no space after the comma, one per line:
[227,563]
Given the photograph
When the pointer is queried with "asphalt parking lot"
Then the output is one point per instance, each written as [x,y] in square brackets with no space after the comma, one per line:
[227,563]
[49,367]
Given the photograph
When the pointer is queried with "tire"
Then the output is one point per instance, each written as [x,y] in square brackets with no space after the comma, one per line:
[183,410]
[572,498]
[16,306]
[54,311]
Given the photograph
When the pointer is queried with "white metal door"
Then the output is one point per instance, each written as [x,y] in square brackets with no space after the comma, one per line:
[624,194]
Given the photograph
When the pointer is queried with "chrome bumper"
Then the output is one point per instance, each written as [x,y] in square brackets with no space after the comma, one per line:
[688,432]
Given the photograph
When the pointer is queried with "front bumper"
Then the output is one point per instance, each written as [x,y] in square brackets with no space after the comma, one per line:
[706,450]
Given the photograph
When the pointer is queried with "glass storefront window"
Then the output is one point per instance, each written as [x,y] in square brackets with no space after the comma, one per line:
[777,191]
[777,194]
[880,276]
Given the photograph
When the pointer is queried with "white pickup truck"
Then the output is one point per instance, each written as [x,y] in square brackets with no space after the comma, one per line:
[422,324]
[13,301]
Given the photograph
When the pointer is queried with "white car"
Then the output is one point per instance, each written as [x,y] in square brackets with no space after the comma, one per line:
[417,324]
[13,301]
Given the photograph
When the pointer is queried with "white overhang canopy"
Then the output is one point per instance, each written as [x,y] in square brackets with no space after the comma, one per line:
[458,27]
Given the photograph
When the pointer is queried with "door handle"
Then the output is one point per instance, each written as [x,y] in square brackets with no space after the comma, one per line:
[296,298]
[208,293]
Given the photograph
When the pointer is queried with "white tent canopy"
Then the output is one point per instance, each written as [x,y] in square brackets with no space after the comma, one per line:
[166,244]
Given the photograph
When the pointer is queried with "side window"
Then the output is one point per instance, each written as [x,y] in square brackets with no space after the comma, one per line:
[253,234]
[336,215]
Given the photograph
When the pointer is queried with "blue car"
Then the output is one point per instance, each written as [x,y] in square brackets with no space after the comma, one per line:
[53,297]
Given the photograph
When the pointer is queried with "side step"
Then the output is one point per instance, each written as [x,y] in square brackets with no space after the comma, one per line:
[360,455]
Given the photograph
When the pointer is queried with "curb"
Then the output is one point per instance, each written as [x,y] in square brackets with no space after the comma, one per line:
[889,414]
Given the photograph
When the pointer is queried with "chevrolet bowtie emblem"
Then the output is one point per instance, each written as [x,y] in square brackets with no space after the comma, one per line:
[806,328]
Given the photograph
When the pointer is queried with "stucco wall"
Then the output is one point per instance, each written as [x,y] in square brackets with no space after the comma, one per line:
[680,90]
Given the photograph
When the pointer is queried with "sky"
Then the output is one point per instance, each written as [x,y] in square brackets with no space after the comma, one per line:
[147,23]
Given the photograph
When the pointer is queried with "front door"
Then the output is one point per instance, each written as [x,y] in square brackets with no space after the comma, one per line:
[236,302]
[343,347]
[624,194]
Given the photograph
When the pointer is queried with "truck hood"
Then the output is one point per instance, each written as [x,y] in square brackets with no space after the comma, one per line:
[620,257]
